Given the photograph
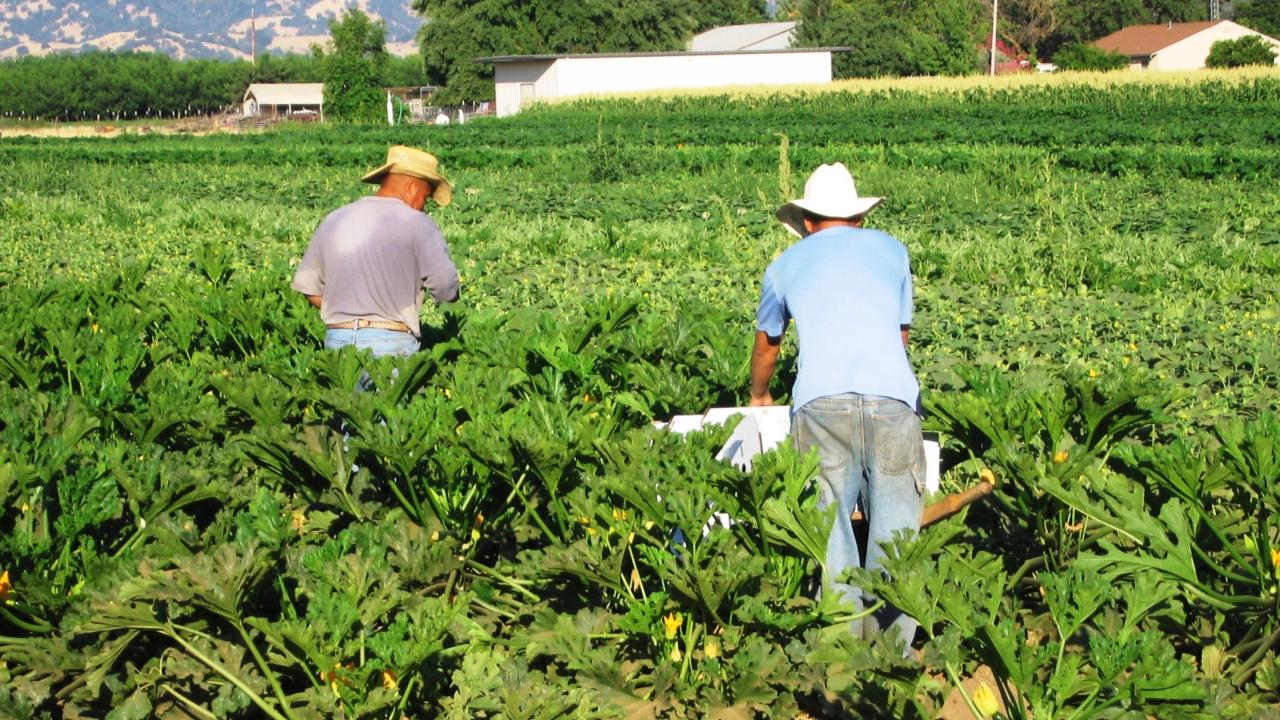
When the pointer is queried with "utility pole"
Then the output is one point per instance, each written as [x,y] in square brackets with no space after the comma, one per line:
[995,9]
[253,35]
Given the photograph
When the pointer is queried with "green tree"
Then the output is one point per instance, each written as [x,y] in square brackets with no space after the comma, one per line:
[946,37]
[1083,56]
[889,37]
[1026,24]
[1083,21]
[404,72]
[715,13]
[101,85]
[1261,15]
[353,66]
[288,68]
[1248,50]
[825,23]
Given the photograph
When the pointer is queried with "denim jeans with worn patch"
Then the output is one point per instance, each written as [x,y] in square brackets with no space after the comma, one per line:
[380,342]
[871,448]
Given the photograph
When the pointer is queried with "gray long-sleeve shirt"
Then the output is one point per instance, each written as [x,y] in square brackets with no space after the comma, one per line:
[376,258]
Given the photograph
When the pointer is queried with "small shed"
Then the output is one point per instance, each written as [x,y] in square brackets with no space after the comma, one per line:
[1175,46]
[281,100]
[753,36]
[520,80]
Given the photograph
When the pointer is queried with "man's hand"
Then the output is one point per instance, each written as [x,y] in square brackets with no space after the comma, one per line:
[764,358]
[315,300]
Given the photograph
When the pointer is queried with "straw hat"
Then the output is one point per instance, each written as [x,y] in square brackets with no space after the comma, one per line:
[829,193]
[403,160]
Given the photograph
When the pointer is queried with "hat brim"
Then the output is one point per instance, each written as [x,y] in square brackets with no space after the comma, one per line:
[792,214]
[442,194]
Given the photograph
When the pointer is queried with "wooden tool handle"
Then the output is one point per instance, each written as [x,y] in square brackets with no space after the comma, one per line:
[947,506]
[954,503]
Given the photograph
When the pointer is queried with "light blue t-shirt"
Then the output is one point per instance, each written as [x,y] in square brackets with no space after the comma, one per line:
[849,292]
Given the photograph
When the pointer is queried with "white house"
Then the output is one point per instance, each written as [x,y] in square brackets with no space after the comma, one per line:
[1175,46]
[754,36]
[523,79]
[284,99]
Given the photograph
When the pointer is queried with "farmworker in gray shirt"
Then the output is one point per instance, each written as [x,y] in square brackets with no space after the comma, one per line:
[370,263]
[848,289]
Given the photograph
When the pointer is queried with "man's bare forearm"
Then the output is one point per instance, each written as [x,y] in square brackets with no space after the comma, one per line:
[764,358]
[315,300]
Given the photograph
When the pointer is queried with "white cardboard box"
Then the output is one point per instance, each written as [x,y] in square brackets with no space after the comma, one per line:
[762,428]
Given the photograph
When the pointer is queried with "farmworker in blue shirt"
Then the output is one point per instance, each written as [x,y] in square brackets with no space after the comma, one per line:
[371,262]
[848,290]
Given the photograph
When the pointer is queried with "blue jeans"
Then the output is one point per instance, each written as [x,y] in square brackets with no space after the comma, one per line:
[870,447]
[381,342]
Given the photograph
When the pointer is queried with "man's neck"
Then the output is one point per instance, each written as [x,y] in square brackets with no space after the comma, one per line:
[837,222]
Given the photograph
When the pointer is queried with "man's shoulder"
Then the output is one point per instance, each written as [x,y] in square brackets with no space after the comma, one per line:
[354,207]
[372,208]
[836,246]
[887,236]
[856,239]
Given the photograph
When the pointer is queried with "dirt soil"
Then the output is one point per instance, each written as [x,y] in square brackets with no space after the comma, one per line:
[955,709]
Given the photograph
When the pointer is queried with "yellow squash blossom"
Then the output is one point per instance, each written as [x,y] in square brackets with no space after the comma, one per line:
[5,585]
[985,700]
[388,680]
[671,624]
[711,649]
[987,475]
[1060,457]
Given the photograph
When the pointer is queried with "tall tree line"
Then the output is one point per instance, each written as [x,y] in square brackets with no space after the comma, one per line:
[127,85]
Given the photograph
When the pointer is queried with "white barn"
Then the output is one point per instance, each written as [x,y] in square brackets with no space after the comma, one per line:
[284,99]
[523,79]
[1175,46]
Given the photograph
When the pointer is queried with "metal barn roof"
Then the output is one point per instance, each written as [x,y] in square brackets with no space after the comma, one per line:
[754,36]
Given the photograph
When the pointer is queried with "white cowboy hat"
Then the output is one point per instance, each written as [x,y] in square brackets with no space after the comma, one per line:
[402,160]
[829,193]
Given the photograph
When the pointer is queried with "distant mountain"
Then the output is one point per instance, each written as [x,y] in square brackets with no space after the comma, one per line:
[188,28]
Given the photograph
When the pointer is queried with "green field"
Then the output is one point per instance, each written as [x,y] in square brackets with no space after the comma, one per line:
[203,521]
